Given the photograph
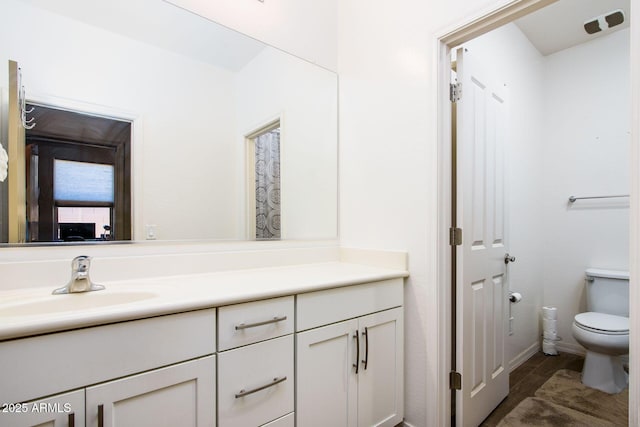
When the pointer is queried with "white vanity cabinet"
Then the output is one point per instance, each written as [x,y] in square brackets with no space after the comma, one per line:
[317,356]
[134,369]
[63,410]
[350,369]
[256,364]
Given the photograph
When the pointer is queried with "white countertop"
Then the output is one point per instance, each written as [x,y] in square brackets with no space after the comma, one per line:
[35,311]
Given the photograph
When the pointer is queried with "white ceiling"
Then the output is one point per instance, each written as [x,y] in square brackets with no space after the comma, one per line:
[164,25]
[561,25]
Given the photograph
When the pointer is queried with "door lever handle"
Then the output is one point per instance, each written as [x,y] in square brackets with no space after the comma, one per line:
[508,258]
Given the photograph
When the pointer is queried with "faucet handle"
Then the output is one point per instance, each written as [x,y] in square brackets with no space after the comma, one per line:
[80,280]
[81,263]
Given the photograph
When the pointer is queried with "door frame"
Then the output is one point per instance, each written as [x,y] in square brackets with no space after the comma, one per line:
[462,31]
[250,173]
[137,147]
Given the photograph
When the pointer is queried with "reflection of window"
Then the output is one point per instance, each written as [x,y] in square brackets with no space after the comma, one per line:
[70,219]
[82,182]
[90,185]
[78,185]
[265,164]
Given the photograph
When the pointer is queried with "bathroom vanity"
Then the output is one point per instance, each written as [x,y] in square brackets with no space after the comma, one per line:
[306,345]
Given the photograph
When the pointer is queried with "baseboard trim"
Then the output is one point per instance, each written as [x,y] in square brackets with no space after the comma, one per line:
[525,355]
[571,348]
[406,424]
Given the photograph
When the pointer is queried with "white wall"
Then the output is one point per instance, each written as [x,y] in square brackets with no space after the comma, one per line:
[305,99]
[512,58]
[172,95]
[586,147]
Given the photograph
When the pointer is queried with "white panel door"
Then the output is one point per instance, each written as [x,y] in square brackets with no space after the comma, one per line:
[325,377]
[482,290]
[180,395]
[380,377]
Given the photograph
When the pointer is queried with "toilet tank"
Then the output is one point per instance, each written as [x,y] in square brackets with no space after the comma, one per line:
[608,291]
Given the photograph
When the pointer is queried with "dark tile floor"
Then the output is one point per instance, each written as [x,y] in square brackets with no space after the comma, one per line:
[528,377]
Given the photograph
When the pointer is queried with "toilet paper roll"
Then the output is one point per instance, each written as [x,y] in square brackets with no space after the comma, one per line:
[549,312]
[549,348]
[550,335]
[550,325]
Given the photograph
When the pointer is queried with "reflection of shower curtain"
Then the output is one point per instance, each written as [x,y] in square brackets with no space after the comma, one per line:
[268,185]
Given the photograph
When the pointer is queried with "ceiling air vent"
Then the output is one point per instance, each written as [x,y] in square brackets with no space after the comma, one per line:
[604,22]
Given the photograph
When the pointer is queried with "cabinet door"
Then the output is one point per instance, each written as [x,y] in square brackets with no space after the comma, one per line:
[325,376]
[380,380]
[63,410]
[179,395]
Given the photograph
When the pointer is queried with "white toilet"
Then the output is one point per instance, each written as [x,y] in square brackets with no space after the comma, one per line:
[604,329]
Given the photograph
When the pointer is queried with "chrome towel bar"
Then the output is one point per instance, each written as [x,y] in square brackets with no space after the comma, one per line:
[574,198]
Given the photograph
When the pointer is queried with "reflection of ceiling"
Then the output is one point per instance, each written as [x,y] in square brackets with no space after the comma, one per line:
[161,24]
[560,25]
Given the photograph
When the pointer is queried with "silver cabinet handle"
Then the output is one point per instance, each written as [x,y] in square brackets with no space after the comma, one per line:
[244,392]
[355,337]
[365,333]
[266,322]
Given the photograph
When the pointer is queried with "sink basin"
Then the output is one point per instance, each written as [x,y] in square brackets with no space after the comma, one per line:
[73,302]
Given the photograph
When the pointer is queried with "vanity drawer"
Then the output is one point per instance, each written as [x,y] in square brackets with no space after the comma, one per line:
[320,308]
[251,322]
[255,383]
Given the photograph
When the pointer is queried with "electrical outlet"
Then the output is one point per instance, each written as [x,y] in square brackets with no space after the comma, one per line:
[150,232]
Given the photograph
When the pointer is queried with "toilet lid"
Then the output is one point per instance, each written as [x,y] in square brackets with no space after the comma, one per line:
[607,323]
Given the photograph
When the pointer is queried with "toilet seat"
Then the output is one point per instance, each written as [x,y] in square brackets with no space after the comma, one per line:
[602,323]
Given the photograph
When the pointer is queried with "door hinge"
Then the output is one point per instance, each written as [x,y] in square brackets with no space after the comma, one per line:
[455,380]
[455,92]
[455,236]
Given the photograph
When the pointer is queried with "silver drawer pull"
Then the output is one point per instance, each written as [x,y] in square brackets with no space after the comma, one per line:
[266,322]
[275,381]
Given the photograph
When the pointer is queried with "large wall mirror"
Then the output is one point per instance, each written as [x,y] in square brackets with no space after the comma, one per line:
[230,139]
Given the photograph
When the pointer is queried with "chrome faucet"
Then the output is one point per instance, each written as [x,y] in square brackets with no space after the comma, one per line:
[80,280]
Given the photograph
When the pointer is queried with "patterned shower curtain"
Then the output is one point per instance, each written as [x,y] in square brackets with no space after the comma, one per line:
[268,185]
